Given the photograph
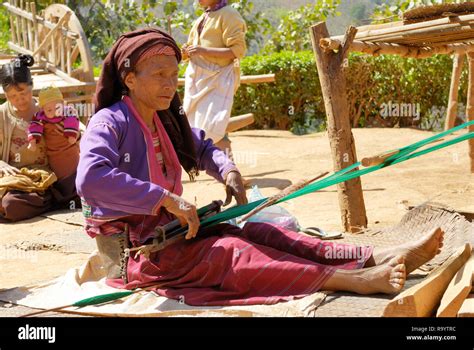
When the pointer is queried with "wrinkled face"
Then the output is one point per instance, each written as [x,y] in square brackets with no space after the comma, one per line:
[51,109]
[208,3]
[20,96]
[154,81]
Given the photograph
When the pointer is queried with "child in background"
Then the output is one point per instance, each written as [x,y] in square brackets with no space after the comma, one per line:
[59,125]
[215,45]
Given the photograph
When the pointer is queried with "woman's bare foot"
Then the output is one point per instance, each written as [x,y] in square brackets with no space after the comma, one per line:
[387,278]
[415,253]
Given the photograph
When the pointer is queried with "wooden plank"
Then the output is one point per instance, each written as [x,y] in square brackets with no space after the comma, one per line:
[467,308]
[247,79]
[422,299]
[458,290]
[239,122]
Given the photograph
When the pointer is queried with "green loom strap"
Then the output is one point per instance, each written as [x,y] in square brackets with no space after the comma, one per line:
[346,177]
[100,299]
[410,148]
[345,174]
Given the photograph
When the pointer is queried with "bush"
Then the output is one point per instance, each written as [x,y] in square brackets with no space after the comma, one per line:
[295,101]
[5,28]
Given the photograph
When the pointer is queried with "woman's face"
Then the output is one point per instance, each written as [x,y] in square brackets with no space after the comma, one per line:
[20,96]
[154,82]
[208,3]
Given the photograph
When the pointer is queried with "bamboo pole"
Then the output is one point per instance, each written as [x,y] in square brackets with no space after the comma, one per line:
[375,49]
[428,35]
[35,26]
[12,26]
[51,36]
[62,54]
[458,62]
[247,79]
[384,33]
[333,85]
[23,28]
[18,25]
[28,28]
[239,122]
[68,56]
[470,107]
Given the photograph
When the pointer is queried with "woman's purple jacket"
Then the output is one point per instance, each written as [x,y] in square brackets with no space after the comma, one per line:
[113,173]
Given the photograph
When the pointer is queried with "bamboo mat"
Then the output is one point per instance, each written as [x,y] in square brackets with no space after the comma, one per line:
[458,230]
[425,13]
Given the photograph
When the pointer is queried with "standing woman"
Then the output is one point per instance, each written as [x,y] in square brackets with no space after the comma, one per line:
[15,115]
[215,45]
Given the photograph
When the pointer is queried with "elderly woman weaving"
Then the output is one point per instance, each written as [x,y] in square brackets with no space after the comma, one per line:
[129,178]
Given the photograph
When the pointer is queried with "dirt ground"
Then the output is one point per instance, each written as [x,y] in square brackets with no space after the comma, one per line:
[46,247]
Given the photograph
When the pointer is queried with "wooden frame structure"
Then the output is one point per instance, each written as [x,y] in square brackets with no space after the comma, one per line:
[56,40]
[449,33]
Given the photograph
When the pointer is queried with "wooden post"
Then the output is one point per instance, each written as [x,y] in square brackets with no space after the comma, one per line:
[470,106]
[333,85]
[452,112]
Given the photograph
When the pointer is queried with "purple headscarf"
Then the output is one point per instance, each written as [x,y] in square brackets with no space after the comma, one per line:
[218,6]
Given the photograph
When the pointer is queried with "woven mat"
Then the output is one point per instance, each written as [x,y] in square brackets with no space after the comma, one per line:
[428,13]
[413,225]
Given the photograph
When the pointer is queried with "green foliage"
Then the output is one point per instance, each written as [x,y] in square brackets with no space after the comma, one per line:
[295,102]
[374,81]
[258,26]
[293,31]
[5,28]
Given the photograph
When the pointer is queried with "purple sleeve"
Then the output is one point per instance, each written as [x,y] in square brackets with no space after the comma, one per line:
[210,158]
[71,126]
[35,130]
[101,183]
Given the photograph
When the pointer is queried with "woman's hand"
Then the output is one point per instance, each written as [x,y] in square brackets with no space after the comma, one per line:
[184,51]
[184,211]
[196,50]
[32,145]
[6,169]
[234,187]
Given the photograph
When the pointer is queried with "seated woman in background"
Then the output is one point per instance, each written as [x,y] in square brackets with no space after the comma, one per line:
[16,159]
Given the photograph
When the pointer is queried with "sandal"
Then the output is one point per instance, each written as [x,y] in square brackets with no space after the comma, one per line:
[317,232]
